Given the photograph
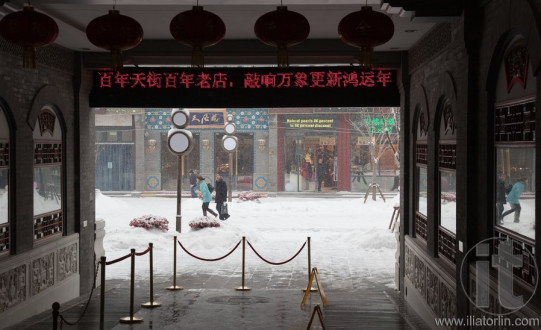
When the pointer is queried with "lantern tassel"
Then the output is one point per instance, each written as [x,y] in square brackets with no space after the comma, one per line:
[283,60]
[116,60]
[29,57]
[364,61]
[198,60]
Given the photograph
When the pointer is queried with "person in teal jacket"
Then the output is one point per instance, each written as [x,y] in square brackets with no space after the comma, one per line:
[513,198]
[207,197]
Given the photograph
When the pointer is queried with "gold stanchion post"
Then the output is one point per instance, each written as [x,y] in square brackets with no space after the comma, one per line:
[102,291]
[309,265]
[243,287]
[175,286]
[151,303]
[132,318]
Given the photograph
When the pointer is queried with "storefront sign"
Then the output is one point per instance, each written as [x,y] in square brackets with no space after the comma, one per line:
[311,122]
[200,118]
[244,87]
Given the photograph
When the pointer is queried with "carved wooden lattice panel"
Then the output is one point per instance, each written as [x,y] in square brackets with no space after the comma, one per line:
[420,226]
[48,225]
[410,260]
[526,249]
[447,245]
[447,156]
[4,154]
[48,153]
[421,153]
[515,123]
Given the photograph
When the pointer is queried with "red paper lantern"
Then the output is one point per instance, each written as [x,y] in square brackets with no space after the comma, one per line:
[29,29]
[197,28]
[282,28]
[116,33]
[366,29]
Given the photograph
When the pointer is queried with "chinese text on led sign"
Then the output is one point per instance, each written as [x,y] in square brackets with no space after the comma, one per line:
[250,80]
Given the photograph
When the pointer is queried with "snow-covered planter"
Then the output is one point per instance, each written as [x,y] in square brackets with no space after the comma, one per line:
[249,196]
[203,222]
[448,196]
[150,221]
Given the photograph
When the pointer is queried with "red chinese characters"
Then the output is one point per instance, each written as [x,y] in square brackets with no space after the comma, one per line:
[312,79]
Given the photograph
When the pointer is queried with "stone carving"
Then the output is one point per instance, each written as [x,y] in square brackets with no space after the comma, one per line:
[516,65]
[46,122]
[67,262]
[420,276]
[432,285]
[409,263]
[449,120]
[12,287]
[447,302]
[42,273]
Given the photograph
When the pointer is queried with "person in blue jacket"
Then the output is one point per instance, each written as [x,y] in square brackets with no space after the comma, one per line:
[513,198]
[207,197]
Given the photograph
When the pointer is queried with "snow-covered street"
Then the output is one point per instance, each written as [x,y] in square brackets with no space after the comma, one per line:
[350,241]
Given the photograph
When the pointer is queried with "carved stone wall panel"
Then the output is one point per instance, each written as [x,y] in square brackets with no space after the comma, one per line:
[420,276]
[409,263]
[447,302]
[67,262]
[42,273]
[12,287]
[432,290]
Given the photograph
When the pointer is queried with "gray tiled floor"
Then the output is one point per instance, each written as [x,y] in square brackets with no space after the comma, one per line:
[211,302]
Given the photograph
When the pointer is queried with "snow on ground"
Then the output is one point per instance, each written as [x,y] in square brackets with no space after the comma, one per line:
[349,239]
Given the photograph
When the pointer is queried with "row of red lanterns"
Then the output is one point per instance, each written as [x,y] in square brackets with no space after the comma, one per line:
[196,28]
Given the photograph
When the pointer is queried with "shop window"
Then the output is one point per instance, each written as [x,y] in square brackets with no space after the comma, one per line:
[242,165]
[422,204]
[4,184]
[48,169]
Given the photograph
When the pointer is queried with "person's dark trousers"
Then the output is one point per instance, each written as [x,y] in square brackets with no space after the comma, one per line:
[499,216]
[514,208]
[319,182]
[192,190]
[206,208]
[219,209]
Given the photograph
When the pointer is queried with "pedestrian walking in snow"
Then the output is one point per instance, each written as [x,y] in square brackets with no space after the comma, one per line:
[221,197]
[207,197]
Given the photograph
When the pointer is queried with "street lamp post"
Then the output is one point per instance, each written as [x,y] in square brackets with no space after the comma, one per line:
[229,143]
[180,142]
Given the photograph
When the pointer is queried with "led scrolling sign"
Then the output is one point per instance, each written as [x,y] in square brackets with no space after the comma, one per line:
[244,87]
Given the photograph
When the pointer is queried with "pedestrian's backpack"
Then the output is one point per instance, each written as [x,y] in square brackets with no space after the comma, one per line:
[211,187]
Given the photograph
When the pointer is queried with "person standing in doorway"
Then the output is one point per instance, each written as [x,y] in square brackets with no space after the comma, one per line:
[321,170]
[207,197]
[514,198]
[193,183]
[221,196]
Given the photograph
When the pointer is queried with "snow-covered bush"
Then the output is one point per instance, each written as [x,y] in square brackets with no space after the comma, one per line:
[203,222]
[150,221]
[249,196]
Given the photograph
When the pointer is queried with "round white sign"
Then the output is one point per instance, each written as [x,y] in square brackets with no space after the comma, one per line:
[229,143]
[179,141]
[230,128]
[180,117]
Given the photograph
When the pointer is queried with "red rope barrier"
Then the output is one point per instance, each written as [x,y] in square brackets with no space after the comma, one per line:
[117,260]
[142,253]
[204,259]
[277,263]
